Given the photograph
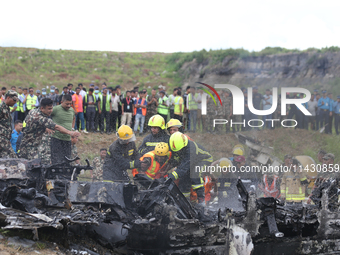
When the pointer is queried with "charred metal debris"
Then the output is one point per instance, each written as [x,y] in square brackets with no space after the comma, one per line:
[155,218]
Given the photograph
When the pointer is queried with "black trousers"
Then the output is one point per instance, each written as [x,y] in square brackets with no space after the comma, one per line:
[90,116]
[119,115]
[21,116]
[105,115]
[97,121]
[178,117]
[60,149]
[330,124]
[172,114]
[336,122]
[113,120]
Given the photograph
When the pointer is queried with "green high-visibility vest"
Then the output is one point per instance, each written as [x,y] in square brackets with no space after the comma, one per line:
[107,104]
[20,106]
[31,101]
[162,109]
[94,100]
[192,105]
[177,108]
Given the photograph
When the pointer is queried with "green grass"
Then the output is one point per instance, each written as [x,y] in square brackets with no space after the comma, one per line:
[39,67]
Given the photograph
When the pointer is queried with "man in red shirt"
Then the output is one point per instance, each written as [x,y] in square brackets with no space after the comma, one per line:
[78,108]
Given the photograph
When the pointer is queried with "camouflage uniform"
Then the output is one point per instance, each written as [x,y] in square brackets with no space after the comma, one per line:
[6,149]
[150,111]
[44,149]
[74,151]
[211,114]
[36,124]
[98,168]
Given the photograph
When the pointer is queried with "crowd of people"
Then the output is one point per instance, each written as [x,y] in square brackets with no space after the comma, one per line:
[47,126]
[105,109]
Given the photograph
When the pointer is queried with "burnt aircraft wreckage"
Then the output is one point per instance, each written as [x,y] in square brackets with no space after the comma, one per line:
[153,217]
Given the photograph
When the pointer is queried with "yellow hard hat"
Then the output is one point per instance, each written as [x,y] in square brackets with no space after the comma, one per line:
[124,132]
[173,123]
[178,141]
[161,149]
[238,151]
[157,121]
[225,162]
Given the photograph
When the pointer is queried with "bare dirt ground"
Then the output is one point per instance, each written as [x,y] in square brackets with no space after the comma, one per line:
[284,141]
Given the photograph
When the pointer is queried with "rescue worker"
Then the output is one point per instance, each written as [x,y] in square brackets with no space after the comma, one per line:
[236,152]
[163,105]
[293,184]
[37,123]
[121,156]
[193,100]
[30,101]
[192,159]
[175,125]
[155,164]
[20,113]
[98,163]
[157,135]
[6,150]
[226,182]
[270,185]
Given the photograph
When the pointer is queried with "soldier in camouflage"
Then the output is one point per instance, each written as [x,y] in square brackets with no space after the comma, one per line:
[6,150]
[74,150]
[152,101]
[98,163]
[37,123]
[44,149]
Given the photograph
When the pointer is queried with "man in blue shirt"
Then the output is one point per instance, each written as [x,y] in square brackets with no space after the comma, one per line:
[15,134]
[336,110]
[330,96]
[140,112]
[325,107]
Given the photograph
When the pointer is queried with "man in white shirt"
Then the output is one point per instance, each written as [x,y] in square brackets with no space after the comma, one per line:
[172,102]
[193,100]
[82,92]
[115,100]
[312,107]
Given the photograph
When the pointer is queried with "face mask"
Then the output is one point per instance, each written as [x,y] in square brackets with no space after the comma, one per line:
[52,90]
[44,93]
[96,91]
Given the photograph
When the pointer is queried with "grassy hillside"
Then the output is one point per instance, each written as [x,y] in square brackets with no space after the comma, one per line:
[39,68]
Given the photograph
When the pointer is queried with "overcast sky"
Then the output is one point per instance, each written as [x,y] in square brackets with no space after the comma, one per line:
[169,26]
